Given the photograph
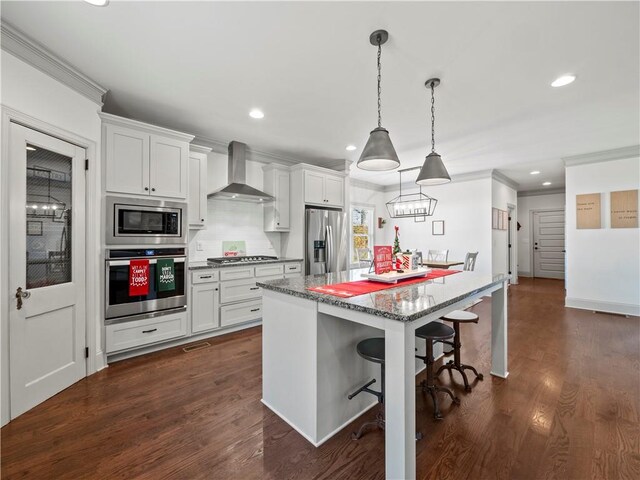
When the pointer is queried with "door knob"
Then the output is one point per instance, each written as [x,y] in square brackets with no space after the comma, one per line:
[20,295]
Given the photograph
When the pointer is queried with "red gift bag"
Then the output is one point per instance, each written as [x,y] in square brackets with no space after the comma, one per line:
[138,277]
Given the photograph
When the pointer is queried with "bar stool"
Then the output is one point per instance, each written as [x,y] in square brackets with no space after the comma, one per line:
[433,332]
[372,349]
[457,317]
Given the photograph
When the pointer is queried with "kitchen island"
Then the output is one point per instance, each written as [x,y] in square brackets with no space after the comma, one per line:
[310,363]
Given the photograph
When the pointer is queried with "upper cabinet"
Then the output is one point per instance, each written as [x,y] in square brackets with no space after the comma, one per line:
[277,183]
[323,189]
[198,186]
[143,159]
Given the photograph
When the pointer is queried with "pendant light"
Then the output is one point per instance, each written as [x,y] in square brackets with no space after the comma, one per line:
[433,171]
[379,154]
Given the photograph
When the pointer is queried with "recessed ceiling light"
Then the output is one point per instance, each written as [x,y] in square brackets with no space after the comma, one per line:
[351,148]
[255,113]
[535,172]
[98,3]
[563,80]
[546,184]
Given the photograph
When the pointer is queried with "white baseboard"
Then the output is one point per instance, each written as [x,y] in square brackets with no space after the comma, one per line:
[326,437]
[600,306]
[524,274]
[100,361]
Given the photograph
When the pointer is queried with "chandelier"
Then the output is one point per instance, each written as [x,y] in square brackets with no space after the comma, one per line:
[411,205]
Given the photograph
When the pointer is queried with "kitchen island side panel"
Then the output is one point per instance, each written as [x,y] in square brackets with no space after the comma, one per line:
[289,345]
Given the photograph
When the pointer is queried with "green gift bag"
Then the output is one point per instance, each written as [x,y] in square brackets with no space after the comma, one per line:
[166,274]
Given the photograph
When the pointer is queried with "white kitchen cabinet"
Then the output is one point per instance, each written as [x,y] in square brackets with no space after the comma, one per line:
[127,160]
[198,186]
[269,270]
[240,312]
[143,159]
[204,307]
[205,300]
[238,290]
[277,183]
[323,189]
[138,333]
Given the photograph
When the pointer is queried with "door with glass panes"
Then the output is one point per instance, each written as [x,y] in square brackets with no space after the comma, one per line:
[46,266]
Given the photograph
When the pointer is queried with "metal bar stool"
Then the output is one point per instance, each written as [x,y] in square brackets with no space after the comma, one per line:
[372,349]
[432,332]
[457,317]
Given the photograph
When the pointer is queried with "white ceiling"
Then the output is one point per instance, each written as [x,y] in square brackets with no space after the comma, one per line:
[200,67]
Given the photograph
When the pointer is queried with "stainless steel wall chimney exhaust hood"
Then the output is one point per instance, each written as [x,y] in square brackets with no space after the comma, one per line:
[237,189]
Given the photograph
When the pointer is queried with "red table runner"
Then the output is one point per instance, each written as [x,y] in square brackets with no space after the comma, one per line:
[360,287]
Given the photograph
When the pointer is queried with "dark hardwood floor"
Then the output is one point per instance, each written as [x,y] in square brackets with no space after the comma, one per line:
[569,410]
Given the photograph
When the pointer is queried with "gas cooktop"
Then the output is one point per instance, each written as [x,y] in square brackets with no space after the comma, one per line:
[241,259]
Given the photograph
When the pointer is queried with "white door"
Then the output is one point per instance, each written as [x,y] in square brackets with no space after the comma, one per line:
[314,188]
[548,244]
[46,267]
[127,162]
[334,191]
[168,166]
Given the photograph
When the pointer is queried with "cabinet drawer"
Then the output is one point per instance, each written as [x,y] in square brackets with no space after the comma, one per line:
[269,270]
[293,275]
[239,290]
[204,276]
[122,336]
[292,267]
[240,312]
[236,273]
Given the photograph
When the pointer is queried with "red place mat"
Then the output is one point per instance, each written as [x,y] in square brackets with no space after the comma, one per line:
[360,287]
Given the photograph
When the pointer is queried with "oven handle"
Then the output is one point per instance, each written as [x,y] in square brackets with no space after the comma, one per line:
[151,261]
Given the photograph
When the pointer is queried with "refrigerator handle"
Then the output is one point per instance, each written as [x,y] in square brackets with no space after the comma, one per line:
[329,248]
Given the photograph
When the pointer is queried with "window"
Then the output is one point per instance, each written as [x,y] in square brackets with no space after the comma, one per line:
[362,230]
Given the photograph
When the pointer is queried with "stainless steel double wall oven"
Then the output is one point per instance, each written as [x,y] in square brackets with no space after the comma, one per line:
[148,230]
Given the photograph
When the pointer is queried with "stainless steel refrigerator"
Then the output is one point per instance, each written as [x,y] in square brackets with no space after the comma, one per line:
[327,244]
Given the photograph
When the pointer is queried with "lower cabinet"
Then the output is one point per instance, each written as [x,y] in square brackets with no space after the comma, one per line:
[138,333]
[230,296]
[240,312]
[205,300]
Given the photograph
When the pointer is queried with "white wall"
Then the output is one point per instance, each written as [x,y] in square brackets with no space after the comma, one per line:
[35,94]
[501,197]
[603,265]
[231,220]
[525,206]
[465,207]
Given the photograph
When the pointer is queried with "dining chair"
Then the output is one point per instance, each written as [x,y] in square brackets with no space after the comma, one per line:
[437,255]
[470,261]
[364,256]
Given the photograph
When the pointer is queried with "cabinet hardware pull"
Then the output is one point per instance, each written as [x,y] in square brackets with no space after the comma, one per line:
[206,276]
[153,189]
[216,289]
[149,331]
[255,309]
[146,189]
[254,288]
[202,219]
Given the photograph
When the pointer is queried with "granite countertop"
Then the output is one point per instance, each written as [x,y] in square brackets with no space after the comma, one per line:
[204,264]
[403,303]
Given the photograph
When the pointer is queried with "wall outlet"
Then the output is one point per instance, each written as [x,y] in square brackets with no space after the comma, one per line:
[199,246]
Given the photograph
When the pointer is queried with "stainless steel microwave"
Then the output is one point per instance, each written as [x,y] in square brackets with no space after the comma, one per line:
[132,221]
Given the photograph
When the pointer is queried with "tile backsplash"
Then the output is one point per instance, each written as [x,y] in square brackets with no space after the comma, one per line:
[230,220]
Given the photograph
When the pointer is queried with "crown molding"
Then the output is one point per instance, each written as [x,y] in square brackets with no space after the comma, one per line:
[146,127]
[502,178]
[354,182]
[199,149]
[541,191]
[463,177]
[602,156]
[31,52]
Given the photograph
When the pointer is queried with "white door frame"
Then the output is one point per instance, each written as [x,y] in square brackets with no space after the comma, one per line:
[531,212]
[512,239]
[93,251]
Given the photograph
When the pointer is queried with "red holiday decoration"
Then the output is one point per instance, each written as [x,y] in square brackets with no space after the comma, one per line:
[383,259]
[138,277]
